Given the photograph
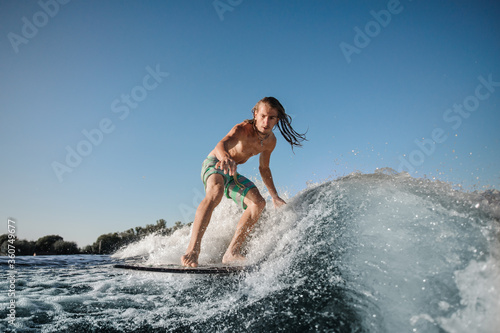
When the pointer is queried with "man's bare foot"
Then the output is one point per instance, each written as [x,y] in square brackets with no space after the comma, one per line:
[230,258]
[190,259]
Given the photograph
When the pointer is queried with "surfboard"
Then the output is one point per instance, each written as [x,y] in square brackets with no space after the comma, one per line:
[177,269]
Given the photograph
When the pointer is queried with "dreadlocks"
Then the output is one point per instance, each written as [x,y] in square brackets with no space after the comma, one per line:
[284,122]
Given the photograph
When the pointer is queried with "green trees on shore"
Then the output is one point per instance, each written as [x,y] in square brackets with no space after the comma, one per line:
[105,244]
[52,244]
[109,243]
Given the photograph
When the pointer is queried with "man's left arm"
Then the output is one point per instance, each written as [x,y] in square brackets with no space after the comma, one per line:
[267,178]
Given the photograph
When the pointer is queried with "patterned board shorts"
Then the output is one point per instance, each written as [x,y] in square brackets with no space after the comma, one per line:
[232,190]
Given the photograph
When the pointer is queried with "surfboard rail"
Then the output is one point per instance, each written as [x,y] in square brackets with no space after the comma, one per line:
[177,269]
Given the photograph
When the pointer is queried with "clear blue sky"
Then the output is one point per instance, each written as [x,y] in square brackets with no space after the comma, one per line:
[375,83]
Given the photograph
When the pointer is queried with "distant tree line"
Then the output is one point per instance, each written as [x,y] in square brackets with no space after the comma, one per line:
[109,243]
[52,244]
[105,244]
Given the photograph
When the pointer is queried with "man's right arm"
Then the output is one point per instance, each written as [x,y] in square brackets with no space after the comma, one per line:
[226,162]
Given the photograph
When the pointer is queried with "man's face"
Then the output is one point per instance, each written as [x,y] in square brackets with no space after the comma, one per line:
[265,118]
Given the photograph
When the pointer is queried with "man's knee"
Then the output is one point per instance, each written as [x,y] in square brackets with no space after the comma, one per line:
[214,189]
[261,204]
[214,193]
[258,203]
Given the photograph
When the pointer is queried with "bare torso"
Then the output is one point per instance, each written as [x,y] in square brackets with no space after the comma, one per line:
[245,143]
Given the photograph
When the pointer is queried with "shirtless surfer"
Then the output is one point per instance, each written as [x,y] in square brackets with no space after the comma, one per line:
[249,138]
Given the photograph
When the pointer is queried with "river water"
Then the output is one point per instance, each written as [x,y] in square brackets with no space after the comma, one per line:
[364,253]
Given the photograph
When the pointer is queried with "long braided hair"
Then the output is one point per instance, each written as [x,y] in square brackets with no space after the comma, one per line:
[284,122]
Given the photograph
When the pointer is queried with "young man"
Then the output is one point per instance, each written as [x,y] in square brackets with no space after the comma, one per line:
[249,138]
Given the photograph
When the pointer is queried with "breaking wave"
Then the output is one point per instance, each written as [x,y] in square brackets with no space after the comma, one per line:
[368,252]
[379,252]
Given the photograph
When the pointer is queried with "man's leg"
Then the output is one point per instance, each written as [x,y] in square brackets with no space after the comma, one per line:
[214,193]
[255,205]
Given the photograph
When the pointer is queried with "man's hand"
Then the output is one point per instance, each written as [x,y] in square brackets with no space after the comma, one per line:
[278,202]
[227,165]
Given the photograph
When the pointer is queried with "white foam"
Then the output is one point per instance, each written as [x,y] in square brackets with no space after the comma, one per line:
[479,286]
[411,255]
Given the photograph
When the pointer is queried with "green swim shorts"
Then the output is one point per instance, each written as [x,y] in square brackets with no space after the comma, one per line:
[231,189]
